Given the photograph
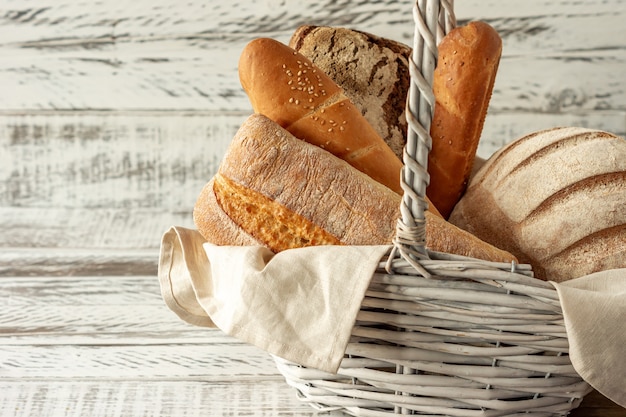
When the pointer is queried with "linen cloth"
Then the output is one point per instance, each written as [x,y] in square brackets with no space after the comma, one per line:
[293,305]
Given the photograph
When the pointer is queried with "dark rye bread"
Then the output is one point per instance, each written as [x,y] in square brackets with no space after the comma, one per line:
[555,199]
[373,72]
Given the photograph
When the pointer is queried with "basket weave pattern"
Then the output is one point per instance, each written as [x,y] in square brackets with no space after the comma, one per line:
[440,334]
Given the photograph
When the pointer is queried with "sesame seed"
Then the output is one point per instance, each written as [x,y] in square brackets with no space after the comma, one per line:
[342,128]
[297,101]
[323,110]
[290,82]
[291,99]
[330,129]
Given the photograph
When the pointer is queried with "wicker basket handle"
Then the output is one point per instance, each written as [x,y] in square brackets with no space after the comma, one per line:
[433,19]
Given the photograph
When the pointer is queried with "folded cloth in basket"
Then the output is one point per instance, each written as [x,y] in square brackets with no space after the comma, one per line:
[293,304]
[594,310]
[289,304]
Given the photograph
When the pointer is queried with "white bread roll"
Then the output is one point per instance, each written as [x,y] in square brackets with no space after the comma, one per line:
[556,199]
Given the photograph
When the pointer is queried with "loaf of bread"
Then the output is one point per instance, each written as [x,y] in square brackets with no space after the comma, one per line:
[287,87]
[285,193]
[556,199]
[372,71]
[463,83]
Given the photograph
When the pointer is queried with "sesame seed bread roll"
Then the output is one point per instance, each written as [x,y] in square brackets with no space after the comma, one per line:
[463,83]
[287,87]
[264,191]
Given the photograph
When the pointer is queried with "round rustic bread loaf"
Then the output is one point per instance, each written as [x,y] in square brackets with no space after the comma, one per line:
[556,199]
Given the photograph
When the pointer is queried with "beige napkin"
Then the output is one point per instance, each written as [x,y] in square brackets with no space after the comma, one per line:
[301,304]
[594,310]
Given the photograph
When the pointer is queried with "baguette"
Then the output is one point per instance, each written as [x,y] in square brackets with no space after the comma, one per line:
[285,193]
[463,83]
[287,87]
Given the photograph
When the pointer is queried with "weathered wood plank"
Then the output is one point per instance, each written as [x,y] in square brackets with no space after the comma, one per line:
[157,56]
[29,261]
[139,398]
[132,161]
[168,361]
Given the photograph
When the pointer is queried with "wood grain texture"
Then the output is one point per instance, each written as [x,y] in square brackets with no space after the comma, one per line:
[139,398]
[114,115]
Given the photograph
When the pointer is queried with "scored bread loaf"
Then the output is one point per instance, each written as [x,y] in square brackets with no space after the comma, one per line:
[286,193]
[372,71]
[287,87]
[555,199]
[463,83]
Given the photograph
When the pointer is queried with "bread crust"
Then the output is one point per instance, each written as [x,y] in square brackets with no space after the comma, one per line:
[463,82]
[311,182]
[324,190]
[372,71]
[288,88]
[215,225]
[555,199]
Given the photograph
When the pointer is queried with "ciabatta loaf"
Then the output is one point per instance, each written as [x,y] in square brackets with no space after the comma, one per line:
[463,83]
[556,199]
[286,193]
[372,71]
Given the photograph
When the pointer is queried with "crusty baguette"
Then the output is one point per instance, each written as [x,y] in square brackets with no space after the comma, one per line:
[463,83]
[287,87]
[372,71]
[300,190]
[554,198]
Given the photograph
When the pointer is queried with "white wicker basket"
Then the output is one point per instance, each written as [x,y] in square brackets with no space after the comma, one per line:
[440,334]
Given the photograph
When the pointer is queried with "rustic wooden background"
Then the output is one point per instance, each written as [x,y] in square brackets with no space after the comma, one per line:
[114,114]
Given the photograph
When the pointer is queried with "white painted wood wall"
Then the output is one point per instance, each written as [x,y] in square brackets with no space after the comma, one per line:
[114,114]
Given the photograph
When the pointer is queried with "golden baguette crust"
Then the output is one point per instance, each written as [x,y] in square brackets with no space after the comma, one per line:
[554,198]
[288,88]
[320,188]
[463,83]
